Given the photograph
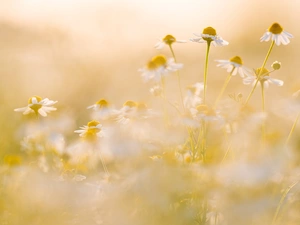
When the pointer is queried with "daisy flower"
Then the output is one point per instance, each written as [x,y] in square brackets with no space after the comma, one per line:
[91,131]
[277,34]
[159,66]
[234,66]
[38,105]
[264,78]
[102,110]
[132,110]
[167,40]
[209,34]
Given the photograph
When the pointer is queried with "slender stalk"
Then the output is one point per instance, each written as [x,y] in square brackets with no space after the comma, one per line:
[104,166]
[166,118]
[263,126]
[292,130]
[282,200]
[224,87]
[205,71]
[178,76]
[260,72]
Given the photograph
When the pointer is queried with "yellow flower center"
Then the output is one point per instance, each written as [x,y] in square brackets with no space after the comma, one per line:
[130,104]
[141,106]
[262,72]
[160,60]
[276,65]
[37,98]
[93,123]
[210,31]
[275,28]
[92,129]
[34,102]
[157,62]
[204,109]
[169,39]
[102,103]
[236,59]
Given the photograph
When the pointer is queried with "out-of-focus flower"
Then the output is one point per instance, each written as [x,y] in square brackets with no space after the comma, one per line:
[133,111]
[276,65]
[38,105]
[209,34]
[192,98]
[264,78]
[277,34]
[167,40]
[156,91]
[234,66]
[91,131]
[159,66]
[103,110]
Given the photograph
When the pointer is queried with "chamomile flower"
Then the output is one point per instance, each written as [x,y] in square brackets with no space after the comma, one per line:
[277,34]
[235,65]
[159,66]
[38,105]
[264,78]
[167,40]
[209,34]
[102,110]
[91,131]
[132,111]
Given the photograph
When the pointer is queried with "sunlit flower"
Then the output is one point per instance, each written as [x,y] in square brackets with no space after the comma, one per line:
[234,66]
[91,131]
[167,40]
[277,34]
[159,66]
[264,78]
[205,112]
[38,105]
[209,34]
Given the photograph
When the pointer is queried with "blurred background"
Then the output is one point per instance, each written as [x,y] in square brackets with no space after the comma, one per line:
[77,51]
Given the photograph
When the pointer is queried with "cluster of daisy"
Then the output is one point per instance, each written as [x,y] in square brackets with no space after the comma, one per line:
[175,136]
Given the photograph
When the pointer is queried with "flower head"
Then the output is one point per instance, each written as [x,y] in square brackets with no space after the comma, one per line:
[38,105]
[209,35]
[263,75]
[234,66]
[92,131]
[277,34]
[159,66]
[167,40]
[276,65]
[101,104]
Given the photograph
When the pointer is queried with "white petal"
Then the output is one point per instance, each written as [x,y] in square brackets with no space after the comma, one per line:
[21,109]
[276,81]
[42,112]
[288,34]
[159,45]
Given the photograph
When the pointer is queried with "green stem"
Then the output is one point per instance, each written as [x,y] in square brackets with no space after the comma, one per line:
[282,200]
[260,72]
[224,87]
[178,76]
[292,130]
[205,72]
